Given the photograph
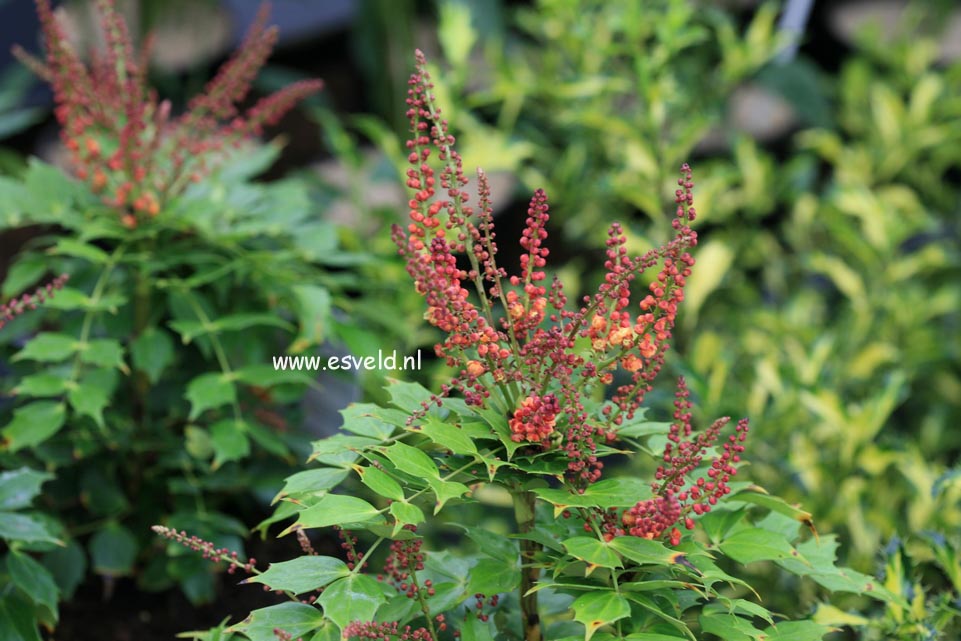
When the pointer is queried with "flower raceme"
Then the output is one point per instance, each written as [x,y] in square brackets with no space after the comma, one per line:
[28,302]
[515,343]
[124,141]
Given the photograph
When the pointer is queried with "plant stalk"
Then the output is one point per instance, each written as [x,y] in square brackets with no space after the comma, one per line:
[524,502]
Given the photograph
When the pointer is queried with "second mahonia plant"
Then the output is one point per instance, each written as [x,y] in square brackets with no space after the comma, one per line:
[511,453]
[126,142]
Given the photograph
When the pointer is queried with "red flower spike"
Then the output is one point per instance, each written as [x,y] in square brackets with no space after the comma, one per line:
[108,104]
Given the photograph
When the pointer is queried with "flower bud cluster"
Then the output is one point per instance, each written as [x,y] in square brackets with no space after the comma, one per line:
[675,495]
[387,631]
[27,302]
[403,560]
[514,337]
[208,550]
[534,420]
[122,140]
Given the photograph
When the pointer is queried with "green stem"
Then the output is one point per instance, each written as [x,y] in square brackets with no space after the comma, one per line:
[524,503]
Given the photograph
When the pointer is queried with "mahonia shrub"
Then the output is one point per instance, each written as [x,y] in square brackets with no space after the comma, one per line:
[149,378]
[524,429]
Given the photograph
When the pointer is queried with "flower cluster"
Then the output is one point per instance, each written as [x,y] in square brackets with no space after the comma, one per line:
[208,550]
[385,632]
[402,561]
[515,344]
[122,139]
[534,420]
[674,498]
[18,306]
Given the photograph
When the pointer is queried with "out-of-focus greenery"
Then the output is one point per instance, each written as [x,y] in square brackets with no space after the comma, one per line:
[835,315]
[827,299]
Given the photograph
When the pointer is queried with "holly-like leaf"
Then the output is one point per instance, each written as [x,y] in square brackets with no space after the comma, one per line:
[33,579]
[313,314]
[353,598]
[598,608]
[754,544]
[20,527]
[796,631]
[113,550]
[380,482]
[303,574]
[445,435]
[593,552]
[90,397]
[33,424]
[412,461]
[48,347]
[336,509]
[103,352]
[19,487]
[405,514]
[492,576]
[730,627]
[311,482]
[152,352]
[209,391]
[229,440]
[297,619]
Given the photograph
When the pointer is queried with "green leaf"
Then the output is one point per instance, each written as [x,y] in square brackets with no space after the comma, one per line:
[645,551]
[593,552]
[311,482]
[353,598]
[90,397]
[66,246]
[730,627]
[17,620]
[717,523]
[208,391]
[408,396]
[296,619]
[24,273]
[20,527]
[405,514]
[113,550]
[302,574]
[313,314]
[598,608]
[380,482]
[33,424]
[19,487]
[104,352]
[191,329]
[796,631]
[365,419]
[493,576]
[39,385]
[445,491]
[152,352]
[336,509]
[68,565]
[100,493]
[446,435]
[412,461]
[229,440]
[33,579]
[757,496]
[754,544]
[340,449]
[48,347]
[616,492]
